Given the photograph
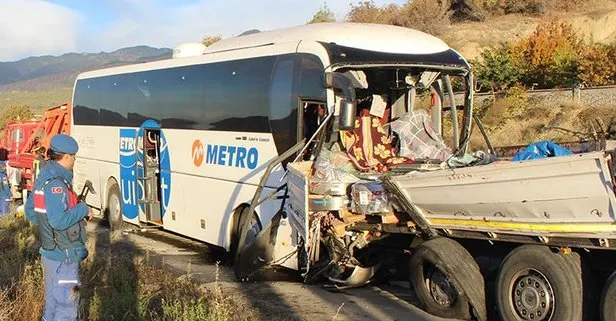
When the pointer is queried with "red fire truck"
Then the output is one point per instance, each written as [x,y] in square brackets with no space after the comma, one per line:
[21,137]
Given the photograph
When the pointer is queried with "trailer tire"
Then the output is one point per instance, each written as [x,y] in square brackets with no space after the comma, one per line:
[447,280]
[608,299]
[113,210]
[555,291]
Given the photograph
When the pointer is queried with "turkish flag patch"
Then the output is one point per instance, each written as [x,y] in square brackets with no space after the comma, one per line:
[56,190]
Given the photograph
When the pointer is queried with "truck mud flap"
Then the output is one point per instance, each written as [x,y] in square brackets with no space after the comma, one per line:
[259,253]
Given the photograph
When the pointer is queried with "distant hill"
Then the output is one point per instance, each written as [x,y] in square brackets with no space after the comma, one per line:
[55,72]
[45,81]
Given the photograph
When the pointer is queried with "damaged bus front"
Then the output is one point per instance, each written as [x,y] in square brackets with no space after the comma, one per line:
[387,109]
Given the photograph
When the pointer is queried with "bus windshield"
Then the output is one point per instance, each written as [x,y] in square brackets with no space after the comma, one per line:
[390,91]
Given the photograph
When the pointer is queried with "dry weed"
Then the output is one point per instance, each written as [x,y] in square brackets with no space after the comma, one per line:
[118,283]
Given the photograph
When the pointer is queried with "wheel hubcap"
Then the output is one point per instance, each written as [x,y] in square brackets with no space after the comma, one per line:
[532,296]
[442,292]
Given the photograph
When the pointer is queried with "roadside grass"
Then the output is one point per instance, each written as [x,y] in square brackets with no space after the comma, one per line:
[117,284]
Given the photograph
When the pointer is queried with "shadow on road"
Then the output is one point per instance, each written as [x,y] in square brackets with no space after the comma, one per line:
[110,279]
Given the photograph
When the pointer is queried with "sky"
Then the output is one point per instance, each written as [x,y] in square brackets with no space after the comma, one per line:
[53,27]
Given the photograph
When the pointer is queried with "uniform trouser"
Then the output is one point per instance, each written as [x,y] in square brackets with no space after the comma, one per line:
[61,290]
[5,204]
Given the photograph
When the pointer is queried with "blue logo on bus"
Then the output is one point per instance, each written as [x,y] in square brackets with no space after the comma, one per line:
[131,168]
[232,156]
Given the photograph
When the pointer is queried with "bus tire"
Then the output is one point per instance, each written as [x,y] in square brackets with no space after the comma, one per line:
[608,299]
[229,256]
[555,291]
[113,211]
[447,280]
[235,232]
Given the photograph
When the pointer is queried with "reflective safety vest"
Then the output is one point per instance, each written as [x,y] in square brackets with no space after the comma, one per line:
[72,237]
[37,164]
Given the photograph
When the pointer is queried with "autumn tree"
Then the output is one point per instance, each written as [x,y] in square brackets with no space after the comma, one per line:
[210,40]
[324,14]
[529,7]
[549,55]
[536,7]
[596,65]
[473,10]
[369,12]
[430,16]
[15,112]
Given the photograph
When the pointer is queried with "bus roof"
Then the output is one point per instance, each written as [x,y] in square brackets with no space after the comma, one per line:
[361,42]
[366,36]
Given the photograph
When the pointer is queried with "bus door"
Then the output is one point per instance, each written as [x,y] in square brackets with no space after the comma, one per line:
[148,176]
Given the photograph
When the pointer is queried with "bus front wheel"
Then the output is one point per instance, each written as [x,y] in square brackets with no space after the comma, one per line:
[114,208]
[254,228]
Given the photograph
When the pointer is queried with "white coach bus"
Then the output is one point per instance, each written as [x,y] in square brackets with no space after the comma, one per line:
[183,143]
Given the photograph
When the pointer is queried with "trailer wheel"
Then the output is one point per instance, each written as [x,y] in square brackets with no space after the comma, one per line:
[536,284]
[114,208]
[608,300]
[447,280]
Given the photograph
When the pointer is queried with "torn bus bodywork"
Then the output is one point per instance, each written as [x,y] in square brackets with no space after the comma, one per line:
[322,242]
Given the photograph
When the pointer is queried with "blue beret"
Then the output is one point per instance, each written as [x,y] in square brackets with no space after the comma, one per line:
[64,144]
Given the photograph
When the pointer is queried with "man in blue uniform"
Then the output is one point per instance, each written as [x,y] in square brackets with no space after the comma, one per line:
[5,190]
[60,216]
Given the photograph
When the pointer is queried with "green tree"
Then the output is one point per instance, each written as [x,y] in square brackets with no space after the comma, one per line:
[497,68]
[210,40]
[15,112]
[324,14]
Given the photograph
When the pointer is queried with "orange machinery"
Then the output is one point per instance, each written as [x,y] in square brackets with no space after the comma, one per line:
[22,137]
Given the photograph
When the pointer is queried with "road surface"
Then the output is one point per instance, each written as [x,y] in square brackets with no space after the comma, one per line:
[279,295]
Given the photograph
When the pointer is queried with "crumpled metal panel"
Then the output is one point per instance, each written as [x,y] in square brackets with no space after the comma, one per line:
[567,189]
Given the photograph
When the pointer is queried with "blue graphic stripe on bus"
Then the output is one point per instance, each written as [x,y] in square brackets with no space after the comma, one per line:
[232,156]
[128,168]
[131,168]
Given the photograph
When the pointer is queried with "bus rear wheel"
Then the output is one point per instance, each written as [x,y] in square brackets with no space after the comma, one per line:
[608,299]
[447,280]
[536,284]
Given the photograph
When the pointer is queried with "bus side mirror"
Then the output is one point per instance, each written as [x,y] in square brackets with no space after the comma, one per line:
[347,115]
